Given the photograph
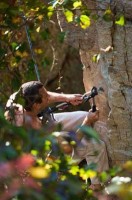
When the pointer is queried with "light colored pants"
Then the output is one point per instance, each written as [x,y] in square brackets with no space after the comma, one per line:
[86,149]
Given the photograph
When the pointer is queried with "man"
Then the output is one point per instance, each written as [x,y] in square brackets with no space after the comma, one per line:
[36,98]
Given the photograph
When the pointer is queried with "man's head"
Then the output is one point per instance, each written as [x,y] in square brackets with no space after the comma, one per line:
[33,93]
[35,99]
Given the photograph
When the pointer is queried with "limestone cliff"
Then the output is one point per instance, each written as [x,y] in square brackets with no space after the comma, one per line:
[113,71]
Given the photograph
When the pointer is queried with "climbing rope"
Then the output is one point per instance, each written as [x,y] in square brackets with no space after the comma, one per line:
[31,48]
[29,42]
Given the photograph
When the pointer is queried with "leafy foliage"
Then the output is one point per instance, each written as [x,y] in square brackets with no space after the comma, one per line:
[27,173]
[24,23]
[24,173]
[121,21]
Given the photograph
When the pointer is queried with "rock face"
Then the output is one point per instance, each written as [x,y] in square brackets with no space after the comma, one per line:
[113,71]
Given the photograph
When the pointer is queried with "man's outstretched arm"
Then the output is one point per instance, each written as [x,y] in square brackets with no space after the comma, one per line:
[74,99]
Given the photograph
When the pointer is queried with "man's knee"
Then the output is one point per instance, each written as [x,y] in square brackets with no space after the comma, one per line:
[101,146]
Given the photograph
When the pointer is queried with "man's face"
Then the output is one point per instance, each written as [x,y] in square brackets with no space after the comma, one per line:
[38,107]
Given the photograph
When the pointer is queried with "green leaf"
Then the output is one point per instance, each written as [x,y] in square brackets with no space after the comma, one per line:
[77,4]
[50,11]
[14,45]
[121,21]
[90,133]
[108,15]
[96,58]
[50,8]
[69,15]
[49,14]
[74,170]
[114,171]
[104,176]
[84,21]
[77,19]
[34,152]
[108,11]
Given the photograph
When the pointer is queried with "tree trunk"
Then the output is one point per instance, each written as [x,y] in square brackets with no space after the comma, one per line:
[113,70]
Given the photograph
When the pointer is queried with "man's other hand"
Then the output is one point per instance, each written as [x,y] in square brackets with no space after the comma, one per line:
[91,117]
[74,99]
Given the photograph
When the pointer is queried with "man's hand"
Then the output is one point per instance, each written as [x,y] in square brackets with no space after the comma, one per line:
[91,118]
[74,99]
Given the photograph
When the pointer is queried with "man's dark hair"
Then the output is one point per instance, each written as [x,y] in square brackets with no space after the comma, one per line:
[30,93]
